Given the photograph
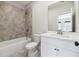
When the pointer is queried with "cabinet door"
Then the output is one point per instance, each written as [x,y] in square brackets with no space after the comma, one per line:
[47,49]
[51,50]
[66,53]
[43,47]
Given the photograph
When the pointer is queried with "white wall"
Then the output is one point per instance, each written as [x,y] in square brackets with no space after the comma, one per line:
[53,13]
[39,17]
[77,15]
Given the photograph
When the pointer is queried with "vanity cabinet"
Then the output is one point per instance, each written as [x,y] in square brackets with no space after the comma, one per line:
[55,47]
[66,53]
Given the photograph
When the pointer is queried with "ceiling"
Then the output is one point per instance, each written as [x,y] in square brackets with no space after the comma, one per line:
[20,4]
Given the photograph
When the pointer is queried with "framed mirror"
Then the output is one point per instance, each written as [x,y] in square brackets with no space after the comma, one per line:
[61,16]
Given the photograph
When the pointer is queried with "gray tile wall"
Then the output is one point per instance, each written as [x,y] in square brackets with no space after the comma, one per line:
[28,21]
[12,22]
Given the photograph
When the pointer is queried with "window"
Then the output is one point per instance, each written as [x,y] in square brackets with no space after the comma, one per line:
[65,22]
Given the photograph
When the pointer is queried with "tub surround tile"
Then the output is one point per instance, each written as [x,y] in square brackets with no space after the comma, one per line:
[28,21]
[12,22]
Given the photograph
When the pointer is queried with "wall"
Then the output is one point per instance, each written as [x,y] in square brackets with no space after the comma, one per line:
[28,21]
[77,15]
[39,17]
[54,11]
[39,10]
[12,22]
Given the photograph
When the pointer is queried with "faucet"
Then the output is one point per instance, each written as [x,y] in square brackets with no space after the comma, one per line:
[60,32]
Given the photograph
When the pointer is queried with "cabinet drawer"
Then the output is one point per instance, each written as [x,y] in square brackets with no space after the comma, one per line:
[50,50]
[67,44]
[62,52]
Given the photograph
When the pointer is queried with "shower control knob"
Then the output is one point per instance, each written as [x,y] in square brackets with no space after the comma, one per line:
[76,43]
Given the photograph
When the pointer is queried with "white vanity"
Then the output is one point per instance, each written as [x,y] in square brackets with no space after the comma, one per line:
[55,45]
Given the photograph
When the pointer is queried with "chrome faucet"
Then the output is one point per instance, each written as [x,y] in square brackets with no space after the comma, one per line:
[59,32]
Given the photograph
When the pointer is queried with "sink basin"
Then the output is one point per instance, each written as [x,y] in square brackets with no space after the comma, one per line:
[55,34]
[66,36]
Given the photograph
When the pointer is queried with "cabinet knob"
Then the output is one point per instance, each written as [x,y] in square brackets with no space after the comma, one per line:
[76,43]
[55,49]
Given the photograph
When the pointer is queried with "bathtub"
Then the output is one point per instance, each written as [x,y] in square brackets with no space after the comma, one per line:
[9,48]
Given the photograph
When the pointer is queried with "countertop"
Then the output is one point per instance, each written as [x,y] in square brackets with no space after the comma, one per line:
[73,36]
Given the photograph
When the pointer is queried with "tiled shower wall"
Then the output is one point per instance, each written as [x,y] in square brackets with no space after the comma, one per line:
[12,22]
[28,21]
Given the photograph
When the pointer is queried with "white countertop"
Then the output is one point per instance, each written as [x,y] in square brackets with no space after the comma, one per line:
[65,36]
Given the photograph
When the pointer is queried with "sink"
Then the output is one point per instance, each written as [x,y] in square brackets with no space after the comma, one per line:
[55,34]
[66,36]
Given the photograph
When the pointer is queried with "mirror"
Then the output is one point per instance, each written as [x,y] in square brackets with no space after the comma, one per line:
[61,16]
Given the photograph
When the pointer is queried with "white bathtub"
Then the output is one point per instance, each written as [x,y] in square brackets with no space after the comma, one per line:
[10,47]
